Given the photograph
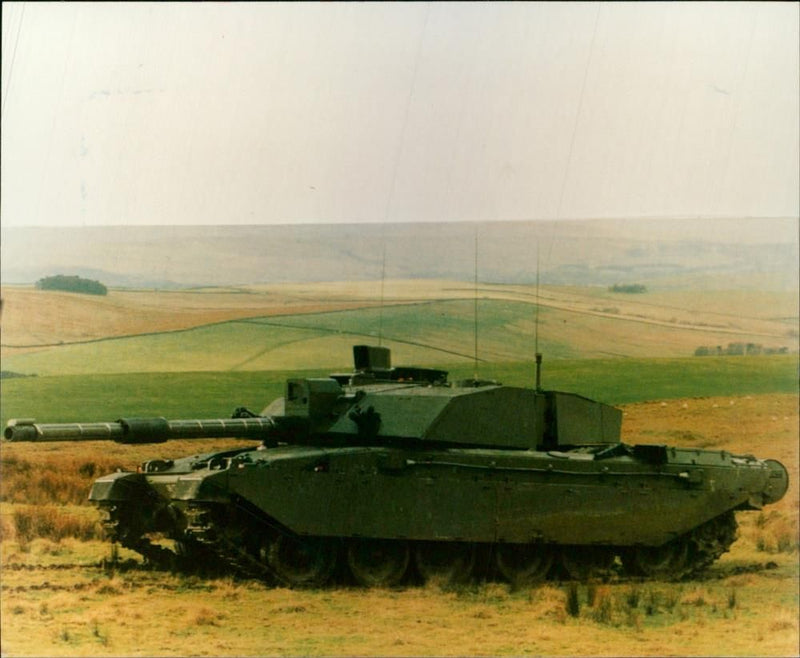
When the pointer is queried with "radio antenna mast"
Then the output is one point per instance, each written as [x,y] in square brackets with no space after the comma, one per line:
[536,328]
[475,313]
[383,280]
[397,156]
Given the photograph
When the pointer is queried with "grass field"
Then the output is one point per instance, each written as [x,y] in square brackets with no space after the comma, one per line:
[72,398]
[436,332]
[202,353]
[86,612]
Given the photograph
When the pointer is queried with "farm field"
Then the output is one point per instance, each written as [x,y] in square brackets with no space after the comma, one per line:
[58,599]
[290,326]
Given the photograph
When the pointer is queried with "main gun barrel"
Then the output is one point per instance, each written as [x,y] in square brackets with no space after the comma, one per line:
[140,430]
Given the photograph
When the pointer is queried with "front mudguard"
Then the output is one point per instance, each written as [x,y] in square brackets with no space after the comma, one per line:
[203,486]
[123,487]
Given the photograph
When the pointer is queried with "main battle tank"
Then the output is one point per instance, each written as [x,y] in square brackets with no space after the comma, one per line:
[388,471]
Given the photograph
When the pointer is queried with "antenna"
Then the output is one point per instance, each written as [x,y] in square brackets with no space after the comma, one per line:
[383,280]
[397,156]
[536,316]
[13,58]
[536,328]
[475,313]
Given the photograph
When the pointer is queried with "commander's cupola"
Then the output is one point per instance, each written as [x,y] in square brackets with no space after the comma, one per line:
[373,365]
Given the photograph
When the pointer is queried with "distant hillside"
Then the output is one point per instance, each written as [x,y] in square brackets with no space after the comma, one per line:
[710,254]
[427,321]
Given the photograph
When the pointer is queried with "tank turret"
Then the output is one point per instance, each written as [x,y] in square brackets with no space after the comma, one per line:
[394,470]
[376,404]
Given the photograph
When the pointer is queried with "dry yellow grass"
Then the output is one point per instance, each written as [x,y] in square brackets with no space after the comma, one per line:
[746,605]
[59,473]
[33,317]
[88,612]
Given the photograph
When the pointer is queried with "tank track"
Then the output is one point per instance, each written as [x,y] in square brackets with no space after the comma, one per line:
[205,539]
[234,539]
[708,542]
[120,527]
[224,542]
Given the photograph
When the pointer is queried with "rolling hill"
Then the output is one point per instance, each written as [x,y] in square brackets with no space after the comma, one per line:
[284,327]
[664,254]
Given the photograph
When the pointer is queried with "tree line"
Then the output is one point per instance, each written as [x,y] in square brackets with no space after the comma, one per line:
[72,284]
[628,288]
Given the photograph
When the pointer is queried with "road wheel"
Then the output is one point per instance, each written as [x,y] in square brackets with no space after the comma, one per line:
[301,562]
[378,562]
[586,562]
[667,561]
[523,564]
[444,562]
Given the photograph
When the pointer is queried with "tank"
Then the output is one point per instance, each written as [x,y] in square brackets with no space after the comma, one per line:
[388,473]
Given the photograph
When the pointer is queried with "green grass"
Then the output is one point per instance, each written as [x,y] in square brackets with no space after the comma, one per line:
[618,381]
[439,331]
[213,347]
[419,332]
[70,398]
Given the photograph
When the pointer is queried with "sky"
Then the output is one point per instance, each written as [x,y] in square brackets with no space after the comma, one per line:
[262,113]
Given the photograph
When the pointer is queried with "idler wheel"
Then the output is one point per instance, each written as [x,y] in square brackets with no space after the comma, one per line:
[586,562]
[665,561]
[444,562]
[378,562]
[523,564]
[306,562]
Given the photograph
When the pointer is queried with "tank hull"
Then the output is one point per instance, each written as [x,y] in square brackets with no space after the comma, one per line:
[555,501]
[483,495]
